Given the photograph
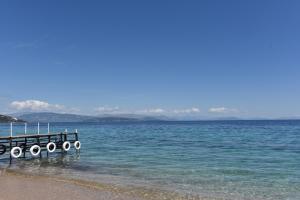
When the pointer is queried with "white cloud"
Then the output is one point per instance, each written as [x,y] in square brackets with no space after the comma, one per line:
[223,110]
[152,111]
[35,105]
[147,111]
[156,110]
[107,109]
[187,111]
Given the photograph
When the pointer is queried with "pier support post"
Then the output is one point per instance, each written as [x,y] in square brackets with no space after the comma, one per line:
[61,141]
[39,143]
[49,139]
[10,143]
[24,153]
[10,147]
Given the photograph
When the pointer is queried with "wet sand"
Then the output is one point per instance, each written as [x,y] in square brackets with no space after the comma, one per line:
[15,185]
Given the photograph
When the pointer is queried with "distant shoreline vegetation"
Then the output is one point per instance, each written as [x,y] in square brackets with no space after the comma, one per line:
[6,119]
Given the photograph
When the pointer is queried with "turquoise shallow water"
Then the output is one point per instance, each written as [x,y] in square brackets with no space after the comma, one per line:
[218,159]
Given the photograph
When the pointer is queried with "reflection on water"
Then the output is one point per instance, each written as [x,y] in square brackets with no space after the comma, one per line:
[58,160]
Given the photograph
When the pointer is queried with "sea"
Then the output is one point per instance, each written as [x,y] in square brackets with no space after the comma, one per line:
[238,159]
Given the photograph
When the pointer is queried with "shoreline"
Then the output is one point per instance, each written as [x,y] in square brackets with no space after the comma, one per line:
[16,185]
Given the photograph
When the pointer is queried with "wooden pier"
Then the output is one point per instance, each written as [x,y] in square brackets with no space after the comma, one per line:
[21,145]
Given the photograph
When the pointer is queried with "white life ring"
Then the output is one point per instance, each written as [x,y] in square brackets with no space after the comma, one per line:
[16,152]
[66,146]
[51,147]
[77,145]
[35,150]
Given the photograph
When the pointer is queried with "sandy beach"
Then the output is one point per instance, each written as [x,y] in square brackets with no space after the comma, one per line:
[18,186]
[15,185]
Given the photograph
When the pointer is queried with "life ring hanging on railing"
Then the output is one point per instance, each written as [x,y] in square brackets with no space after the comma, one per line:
[51,147]
[35,150]
[16,152]
[77,145]
[66,146]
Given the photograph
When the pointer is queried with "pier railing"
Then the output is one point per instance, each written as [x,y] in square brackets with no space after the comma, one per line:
[18,145]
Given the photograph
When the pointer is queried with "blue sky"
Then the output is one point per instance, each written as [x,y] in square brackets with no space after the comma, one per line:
[196,58]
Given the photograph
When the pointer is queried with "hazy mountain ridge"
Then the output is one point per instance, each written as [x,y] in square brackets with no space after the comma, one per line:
[64,117]
[59,117]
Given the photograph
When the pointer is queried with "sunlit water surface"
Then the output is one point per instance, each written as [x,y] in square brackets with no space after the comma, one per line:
[217,159]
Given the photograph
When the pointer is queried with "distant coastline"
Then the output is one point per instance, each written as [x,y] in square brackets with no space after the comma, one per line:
[51,117]
[6,119]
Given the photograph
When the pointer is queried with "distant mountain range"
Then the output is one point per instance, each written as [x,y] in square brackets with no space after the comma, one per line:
[5,119]
[58,117]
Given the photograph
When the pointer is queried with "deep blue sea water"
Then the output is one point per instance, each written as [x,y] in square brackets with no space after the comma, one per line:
[218,159]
